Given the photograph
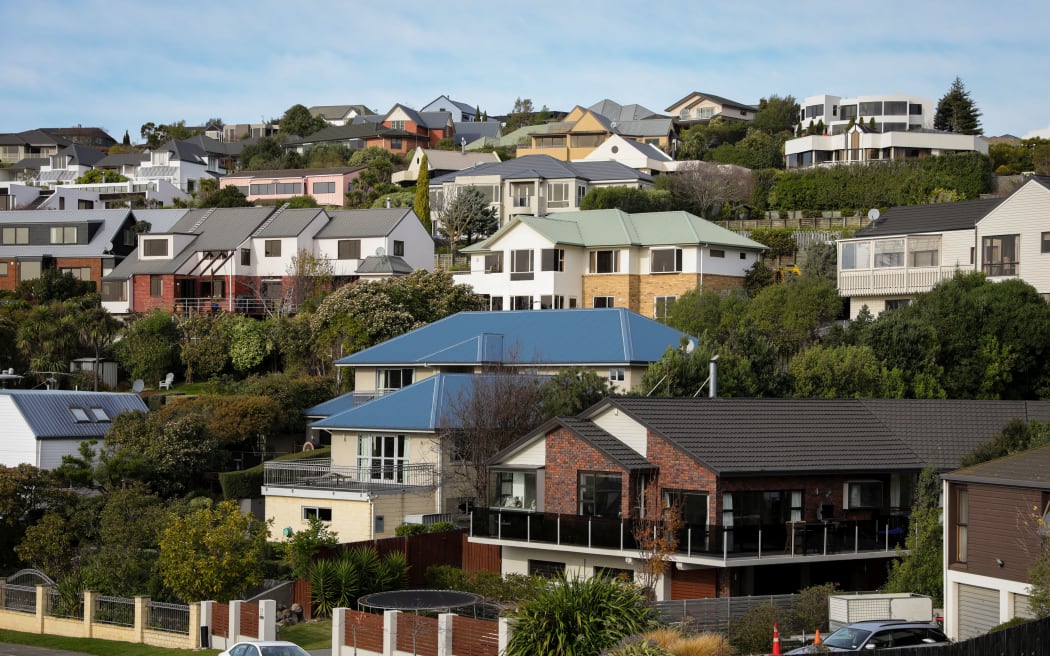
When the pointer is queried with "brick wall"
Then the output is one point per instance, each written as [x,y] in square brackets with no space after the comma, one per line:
[678,471]
[567,455]
[624,288]
[141,293]
[637,292]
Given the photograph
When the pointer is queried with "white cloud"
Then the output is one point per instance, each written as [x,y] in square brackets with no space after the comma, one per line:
[1044,133]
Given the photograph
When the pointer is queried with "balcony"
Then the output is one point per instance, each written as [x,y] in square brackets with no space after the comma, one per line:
[861,282]
[831,539]
[321,474]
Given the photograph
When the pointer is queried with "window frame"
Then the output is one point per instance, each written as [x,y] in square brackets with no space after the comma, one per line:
[961,552]
[661,306]
[518,260]
[999,265]
[272,248]
[346,249]
[149,247]
[596,256]
[399,248]
[610,301]
[552,259]
[309,512]
[865,489]
[591,486]
[659,254]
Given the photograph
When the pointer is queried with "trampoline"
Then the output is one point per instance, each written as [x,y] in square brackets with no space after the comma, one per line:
[418,600]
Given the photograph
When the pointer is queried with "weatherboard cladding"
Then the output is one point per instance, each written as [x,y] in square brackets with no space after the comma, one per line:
[48,411]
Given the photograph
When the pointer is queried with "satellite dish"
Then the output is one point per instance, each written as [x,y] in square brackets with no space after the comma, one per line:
[380,251]
[873,214]
[109,247]
[138,386]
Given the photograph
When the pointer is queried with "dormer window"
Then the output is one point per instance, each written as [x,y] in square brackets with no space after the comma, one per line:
[155,247]
[64,235]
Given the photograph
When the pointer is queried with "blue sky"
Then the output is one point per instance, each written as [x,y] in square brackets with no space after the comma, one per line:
[117,64]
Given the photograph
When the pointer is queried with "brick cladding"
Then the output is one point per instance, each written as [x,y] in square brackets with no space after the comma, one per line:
[10,281]
[566,456]
[622,287]
[636,292]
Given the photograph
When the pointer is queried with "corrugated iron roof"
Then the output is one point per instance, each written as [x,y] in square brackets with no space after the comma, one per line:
[50,413]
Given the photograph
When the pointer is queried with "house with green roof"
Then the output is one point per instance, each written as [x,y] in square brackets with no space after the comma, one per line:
[606,258]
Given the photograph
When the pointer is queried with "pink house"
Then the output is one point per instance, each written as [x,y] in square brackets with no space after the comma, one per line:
[327,186]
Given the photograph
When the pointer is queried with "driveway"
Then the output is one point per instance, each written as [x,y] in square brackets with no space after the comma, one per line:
[25,650]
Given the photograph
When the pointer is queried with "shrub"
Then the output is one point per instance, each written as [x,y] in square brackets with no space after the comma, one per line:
[753,633]
[409,529]
[676,643]
[441,527]
[247,483]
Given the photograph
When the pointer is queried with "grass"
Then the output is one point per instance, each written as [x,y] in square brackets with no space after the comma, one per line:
[309,635]
[98,647]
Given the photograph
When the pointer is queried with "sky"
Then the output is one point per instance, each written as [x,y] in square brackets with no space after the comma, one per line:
[117,64]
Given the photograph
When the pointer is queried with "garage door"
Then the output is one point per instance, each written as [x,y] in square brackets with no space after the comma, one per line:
[978,610]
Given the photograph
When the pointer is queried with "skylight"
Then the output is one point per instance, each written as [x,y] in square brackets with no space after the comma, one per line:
[99,414]
[79,415]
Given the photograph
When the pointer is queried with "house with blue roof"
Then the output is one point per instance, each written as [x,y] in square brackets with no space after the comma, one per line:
[606,258]
[42,426]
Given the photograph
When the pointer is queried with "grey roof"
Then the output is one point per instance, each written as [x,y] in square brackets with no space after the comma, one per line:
[30,163]
[41,138]
[355,224]
[473,130]
[547,168]
[121,159]
[104,227]
[1029,468]
[713,98]
[650,127]
[157,172]
[614,111]
[383,265]
[185,151]
[160,221]
[82,155]
[329,112]
[355,130]
[48,411]
[938,217]
[613,448]
[747,436]
[290,223]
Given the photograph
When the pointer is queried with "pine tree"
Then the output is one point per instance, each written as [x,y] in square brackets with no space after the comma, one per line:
[956,111]
[422,202]
[127,138]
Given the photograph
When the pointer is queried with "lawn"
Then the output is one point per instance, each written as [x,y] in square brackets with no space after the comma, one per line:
[309,635]
[99,647]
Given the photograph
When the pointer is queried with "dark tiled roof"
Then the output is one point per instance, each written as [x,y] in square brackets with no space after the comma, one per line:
[383,264]
[713,98]
[1025,469]
[938,217]
[613,448]
[546,167]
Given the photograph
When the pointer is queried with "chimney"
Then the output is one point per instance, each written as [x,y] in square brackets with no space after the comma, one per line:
[713,388]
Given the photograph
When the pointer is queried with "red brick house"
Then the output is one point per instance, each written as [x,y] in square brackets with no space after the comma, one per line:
[775,494]
[434,126]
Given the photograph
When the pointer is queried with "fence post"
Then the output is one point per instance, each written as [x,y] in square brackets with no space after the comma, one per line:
[338,630]
[207,611]
[445,634]
[390,632]
[89,612]
[41,606]
[505,628]
[141,608]
[195,626]
[233,633]
[267,619]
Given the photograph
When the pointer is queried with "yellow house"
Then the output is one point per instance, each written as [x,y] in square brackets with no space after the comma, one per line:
[583,130]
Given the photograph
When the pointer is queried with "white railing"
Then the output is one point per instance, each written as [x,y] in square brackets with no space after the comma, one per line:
[320,473]
[896,281]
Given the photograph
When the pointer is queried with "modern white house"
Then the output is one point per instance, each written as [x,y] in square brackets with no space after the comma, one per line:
[895,112]
[908,250]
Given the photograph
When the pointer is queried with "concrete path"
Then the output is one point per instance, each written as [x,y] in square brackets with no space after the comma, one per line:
[25,650]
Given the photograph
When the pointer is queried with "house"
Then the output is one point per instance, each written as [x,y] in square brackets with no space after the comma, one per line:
[896,112]
[362,134]
[427,128]
[583,130]
[340,114]
[91,137]
[910,249]
[374,243]
[30,144]
[460,112]
[996,515]
[42,426]
[327,186]
[774,494]
[388,463]
[88,244]
[859,144]
[700,108]
[643,157]
[477,132]
[606,258]
[439,163]
[535,185]
[234,132]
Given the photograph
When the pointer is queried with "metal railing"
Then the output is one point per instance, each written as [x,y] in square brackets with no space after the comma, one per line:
[65,605]
[21,598]
[243,304]
[118,611]
[791,539]
[173,618]
[320,473]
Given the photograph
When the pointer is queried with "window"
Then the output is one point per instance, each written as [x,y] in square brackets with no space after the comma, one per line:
[863,494]
[155,247]
[521,302]
[546,568]
[272,248]
[79,415]
[924,251]
[605,261]
[548,142]
[586,140]
[743,256]
[557,194]
[691,504]
[717,252]
[895,108]
[813,111]
[552,259]
[214,288]
[289,187]
[602,302]
[897,303]
[889,253]
[873,108]
[323,187]
[521,265]
[349,249]
[962,524]
[391,379]
[156,286]
[496,303]
[383,456]
[661,306]
[63,235]
[552,302]
[311,512]
[915,109]
[494,262]
[617,374]
[16,235]
[1000,255]
[399,248]
[599,493]
[1044,243]
[29,270]
[246,257]
[848,112]
[581,191]
[3,268]
[666,260]
[396,143]
[262,189]
[114,292]
[513,489]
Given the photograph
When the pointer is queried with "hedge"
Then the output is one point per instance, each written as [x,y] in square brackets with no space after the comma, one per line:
[247,483]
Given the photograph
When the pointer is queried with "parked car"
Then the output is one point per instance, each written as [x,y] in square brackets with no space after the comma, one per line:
[881,634]
[265,648]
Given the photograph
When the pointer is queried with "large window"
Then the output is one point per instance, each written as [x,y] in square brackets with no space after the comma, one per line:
[384,456]
[605,261]
[665,260]
[552,259]
[323,187]
[289,187]
[494,262]
[599,493]
[63,235]
[155,247]
[586,140]
[692,505]
[962,524]
[263,189]
[924,251]
[549,142]
[889,253]
[521,263]
[30,270]
[1000,255]
[557,194]
[863,494]
[895,108]
[272,248]
[512,489]
[813,111]
[114,291]
[521,302]
[856,255]
[873,108]
[313,512]
[349,249]
[552,302]
[391,379]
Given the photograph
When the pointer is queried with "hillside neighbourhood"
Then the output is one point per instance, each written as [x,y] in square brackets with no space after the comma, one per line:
[752,353]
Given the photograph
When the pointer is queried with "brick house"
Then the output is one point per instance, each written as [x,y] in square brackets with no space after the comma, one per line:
[606,258]
[775,494]
[431,126]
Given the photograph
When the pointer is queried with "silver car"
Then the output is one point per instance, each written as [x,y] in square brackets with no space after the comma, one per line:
[881,634]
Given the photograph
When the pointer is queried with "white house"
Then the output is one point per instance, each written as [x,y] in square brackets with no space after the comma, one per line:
[353,235]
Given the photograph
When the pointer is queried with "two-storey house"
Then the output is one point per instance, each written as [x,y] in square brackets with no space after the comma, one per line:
[431,127]
[701,108]
[583,130]
[353,236]
[910,249]
[328,186]
[773,494]
[606,258]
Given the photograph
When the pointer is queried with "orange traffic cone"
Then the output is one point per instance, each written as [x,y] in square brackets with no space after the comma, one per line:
[776,640]
[816,637]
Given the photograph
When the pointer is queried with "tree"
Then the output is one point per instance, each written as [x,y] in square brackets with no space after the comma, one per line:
[203,346]
[311,278]
[266,153]
[1015,437]
[422,203]
[705,188]
[54,285]
[249,342]
[98,330]
[169,452]
[841,372]
[214,552]
[462,208]
[657,541]
[957,112]
[127,139]
[920,570]
[572,390]
[157,135]
[789,315]
[630,200]
[301,202]
[48,336]
[97,176]
[776,115]
[520,116]
[579,617]
[820,260]
[301,548]
[228,196]
[298,121]
[146,351]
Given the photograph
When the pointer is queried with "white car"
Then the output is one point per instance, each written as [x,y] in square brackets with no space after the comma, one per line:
[266,648]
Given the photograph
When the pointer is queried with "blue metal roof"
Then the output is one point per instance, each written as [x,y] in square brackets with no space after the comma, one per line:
[50,413]
[605,336]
